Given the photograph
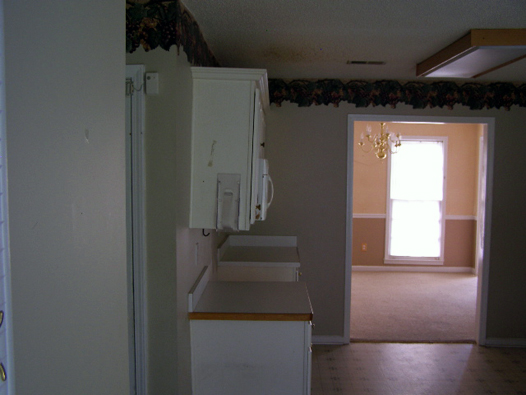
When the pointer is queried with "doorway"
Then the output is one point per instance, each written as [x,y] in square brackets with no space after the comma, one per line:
[481,217]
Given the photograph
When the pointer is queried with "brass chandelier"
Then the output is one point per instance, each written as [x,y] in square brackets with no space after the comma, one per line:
[382,143]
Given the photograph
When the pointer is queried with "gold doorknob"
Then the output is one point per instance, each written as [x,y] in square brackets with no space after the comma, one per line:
[3,375]
[1,317]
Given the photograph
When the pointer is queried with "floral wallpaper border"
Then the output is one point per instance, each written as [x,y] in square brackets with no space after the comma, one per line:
[420,95]
[158,23]
[163,24]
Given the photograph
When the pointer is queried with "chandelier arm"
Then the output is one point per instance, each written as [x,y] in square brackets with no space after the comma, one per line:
[364,150]
[383,143]
[371,139]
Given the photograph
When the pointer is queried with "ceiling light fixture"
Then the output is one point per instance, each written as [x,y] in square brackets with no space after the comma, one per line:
[475,54]
[382,143]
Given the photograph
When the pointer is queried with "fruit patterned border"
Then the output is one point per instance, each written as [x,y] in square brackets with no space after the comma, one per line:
[163,24]
[418,94]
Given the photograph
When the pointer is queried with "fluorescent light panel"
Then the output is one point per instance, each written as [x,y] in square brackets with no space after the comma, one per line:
[477,53]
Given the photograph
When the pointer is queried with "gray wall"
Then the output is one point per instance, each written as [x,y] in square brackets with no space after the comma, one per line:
[66,154]
[171,265]
[307,150]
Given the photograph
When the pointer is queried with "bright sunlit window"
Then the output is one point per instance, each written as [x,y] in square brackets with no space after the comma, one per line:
[416,201]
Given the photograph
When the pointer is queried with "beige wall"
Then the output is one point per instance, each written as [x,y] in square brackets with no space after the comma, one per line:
[171,266]
[64,67]
[307,151]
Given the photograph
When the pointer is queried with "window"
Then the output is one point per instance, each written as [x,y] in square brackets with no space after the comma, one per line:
[416,202]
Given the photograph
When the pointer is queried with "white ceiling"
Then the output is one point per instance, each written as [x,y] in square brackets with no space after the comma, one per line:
[316,38]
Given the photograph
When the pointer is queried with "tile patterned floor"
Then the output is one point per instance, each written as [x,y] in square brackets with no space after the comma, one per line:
[408,369]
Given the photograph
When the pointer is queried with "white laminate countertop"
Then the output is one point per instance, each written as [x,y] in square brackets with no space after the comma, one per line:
[262,301]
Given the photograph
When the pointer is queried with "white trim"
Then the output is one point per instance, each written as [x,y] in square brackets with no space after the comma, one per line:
[505,342]
[481,198]
[5,256]
[414,261]
[483,283]
[489,126]
[135,157]
[416,269]
[371,216]
[461,217]
[348,235]
[329,340]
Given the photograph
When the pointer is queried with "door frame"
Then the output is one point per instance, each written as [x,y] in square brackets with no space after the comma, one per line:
[135,224]
[6,325]
[483,272]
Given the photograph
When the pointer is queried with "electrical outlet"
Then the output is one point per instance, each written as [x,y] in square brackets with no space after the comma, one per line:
[364,246]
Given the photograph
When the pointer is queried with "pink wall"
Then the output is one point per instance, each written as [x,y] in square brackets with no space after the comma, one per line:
[459,249]
[370,174]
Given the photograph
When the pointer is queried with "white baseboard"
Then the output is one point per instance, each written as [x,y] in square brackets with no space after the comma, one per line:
[329,340]
[504,342]
[429,269]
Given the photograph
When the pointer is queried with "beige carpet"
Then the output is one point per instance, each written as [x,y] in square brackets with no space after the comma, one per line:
[413,307]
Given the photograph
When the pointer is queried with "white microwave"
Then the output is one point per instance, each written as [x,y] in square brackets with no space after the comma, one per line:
[265,191]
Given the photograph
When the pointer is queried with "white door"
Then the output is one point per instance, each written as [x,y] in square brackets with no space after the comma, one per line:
[6,333]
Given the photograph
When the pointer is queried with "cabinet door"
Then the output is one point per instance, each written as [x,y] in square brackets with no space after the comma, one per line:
[227,122]
[249,357]
[222,143]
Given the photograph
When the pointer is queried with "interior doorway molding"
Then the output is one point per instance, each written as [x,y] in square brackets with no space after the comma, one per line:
[483,272]
[136,233]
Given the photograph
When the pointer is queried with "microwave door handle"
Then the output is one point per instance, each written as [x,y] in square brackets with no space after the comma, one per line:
[272,193]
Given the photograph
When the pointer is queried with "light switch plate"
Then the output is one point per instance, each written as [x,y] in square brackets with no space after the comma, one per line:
[152,83]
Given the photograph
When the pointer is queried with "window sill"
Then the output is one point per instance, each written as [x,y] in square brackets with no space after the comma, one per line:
[414,261]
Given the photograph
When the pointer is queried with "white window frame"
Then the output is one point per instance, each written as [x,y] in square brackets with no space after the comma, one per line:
[403,260]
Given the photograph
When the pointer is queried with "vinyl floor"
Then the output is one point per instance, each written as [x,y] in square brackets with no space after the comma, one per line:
[417,368]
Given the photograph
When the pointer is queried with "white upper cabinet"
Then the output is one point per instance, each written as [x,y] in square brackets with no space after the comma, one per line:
[227,145]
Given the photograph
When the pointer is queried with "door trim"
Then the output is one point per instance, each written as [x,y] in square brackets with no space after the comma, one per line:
[5,257]
[135,215]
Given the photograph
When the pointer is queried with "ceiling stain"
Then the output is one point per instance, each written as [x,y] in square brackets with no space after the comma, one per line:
[293,55]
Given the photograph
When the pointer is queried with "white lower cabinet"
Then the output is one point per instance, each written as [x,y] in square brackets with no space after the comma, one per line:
[236,357]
